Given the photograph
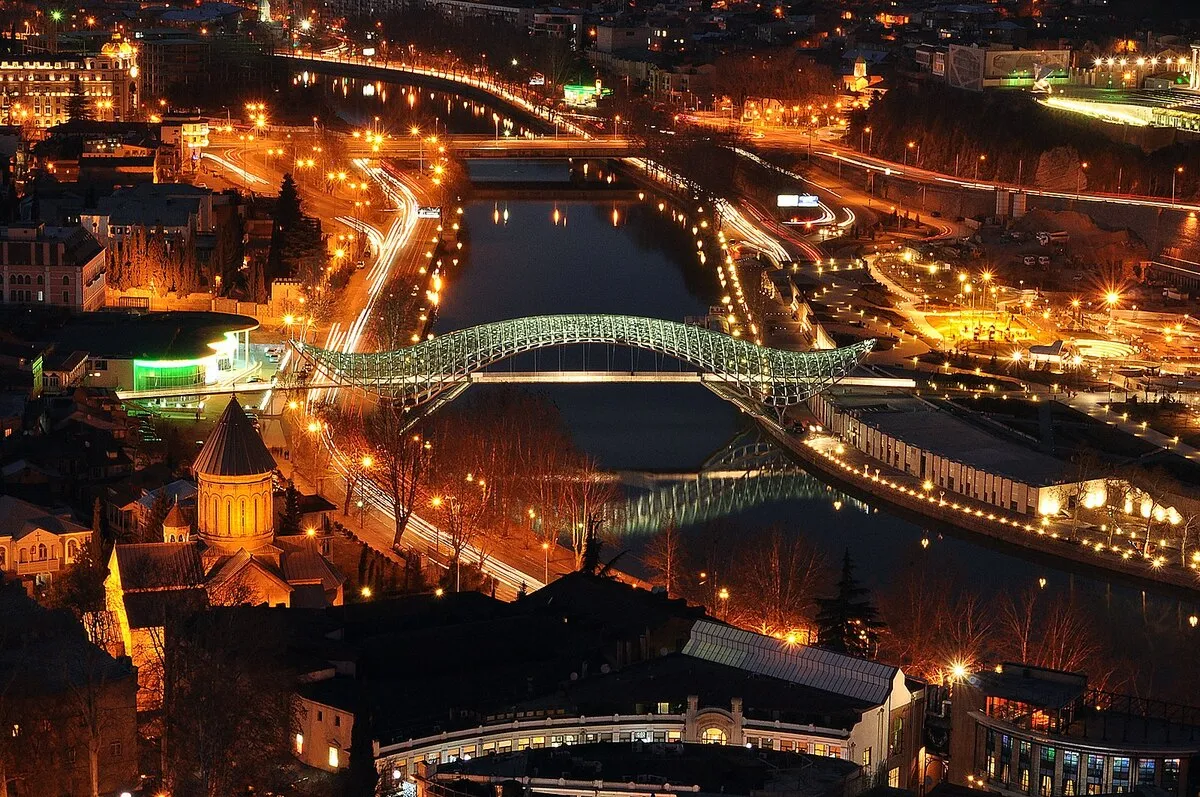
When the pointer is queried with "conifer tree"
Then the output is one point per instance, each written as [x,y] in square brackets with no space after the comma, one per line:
[848,622]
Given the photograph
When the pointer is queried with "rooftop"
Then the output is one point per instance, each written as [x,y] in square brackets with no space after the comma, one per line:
[920,424]
[1035,686]
[19,518]
[234,447]
[713,769]
[174,335]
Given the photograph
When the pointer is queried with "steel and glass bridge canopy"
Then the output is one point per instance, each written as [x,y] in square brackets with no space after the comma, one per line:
[418,373]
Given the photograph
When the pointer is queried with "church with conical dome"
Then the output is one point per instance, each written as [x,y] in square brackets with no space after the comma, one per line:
[227,553]
[234,473]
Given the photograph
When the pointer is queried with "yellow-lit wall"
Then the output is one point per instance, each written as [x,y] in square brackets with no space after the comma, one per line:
[236,512]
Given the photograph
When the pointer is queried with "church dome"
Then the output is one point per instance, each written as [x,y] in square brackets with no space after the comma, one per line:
[234,448]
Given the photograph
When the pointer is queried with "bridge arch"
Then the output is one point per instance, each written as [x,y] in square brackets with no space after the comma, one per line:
[422,372]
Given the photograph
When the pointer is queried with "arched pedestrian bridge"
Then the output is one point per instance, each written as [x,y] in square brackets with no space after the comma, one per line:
[736,368]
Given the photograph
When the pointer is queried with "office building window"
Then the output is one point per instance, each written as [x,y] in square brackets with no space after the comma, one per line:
[1170,775]
[1046,771]
[1095,774]
[1120,774]
[1145,772]
[1070,773]
[1023,764]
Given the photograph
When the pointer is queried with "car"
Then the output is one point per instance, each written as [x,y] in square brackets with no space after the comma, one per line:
[254,380]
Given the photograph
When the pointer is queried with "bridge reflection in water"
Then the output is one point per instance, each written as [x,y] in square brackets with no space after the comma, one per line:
[749,472]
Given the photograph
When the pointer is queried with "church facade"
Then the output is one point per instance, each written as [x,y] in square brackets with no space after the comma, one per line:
[228,554]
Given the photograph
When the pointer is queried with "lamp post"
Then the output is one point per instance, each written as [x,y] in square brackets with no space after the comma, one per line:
[1178,171]
[1079,180]
[723,596]
[496,123]
[866,131]
[546,568]
[978,161]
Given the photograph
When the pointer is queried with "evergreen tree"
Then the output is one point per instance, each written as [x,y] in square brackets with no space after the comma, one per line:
[288,210]
[849,622]
[289,520]
[77,104]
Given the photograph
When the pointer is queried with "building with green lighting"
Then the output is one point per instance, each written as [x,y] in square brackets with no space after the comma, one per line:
[149,351]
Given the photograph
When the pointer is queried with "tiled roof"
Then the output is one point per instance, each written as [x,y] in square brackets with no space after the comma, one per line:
[175,519]
[308,567]
[820,669]
[18,518]
[234,447]
[159,565]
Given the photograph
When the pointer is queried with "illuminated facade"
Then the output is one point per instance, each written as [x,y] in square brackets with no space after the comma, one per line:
[872,713]
[1025,730]
[51,266]
[35,545]
[37,88]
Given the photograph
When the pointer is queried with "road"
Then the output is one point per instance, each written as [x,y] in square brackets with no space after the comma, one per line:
[832,151]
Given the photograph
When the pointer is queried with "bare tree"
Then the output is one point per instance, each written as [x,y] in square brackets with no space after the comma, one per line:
[663,555]
[1052,632]
[462,514]
[404,455]
[584,502]
[231,694]
[780,576]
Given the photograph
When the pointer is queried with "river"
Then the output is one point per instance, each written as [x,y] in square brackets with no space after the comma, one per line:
[601,257]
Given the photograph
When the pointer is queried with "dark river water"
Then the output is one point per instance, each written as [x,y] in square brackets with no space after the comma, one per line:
[521,262]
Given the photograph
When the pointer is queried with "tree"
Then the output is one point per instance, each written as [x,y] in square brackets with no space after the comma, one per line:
[230,715]
[152,523]
[404,455]
[585,496]
[663,556]
[934,624]
[289,520]
[778,581]
[1053,633]
[78,108]
[848,622]
[462,514]
[80,589]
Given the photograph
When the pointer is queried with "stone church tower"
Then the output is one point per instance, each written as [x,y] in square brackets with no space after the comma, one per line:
[235,508]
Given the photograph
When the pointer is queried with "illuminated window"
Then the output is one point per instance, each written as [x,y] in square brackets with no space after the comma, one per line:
[334,758]
[299,744]
[713,736]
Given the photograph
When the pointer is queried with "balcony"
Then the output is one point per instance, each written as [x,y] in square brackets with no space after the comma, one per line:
[38,567]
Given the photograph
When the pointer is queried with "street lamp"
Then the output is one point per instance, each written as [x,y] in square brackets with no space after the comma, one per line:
[1178,171]
[723,595]
[496,122]
[1079,179]
[867,132]
[978,161]
[546,571]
